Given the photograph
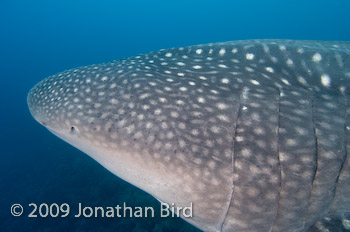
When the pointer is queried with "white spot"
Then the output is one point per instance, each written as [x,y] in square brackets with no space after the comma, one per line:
[182,125]
[162,99]
[145,95]
[211,164]
[195,132]
[223,118]
[180,102]
[169,80]
[88,80]
[246,152]
[201,100]
[342,89]
[168,54]
[104,78]
[140,116]
[222,66]
[282,47]
[149,125]
[317,57]
[269,69]
[197,67]
[249,56]
[221,106]
[152,83]
[325,80]
[234,50]
[255,82]
[183,89]
[285,81]
[244,108]
[202,78]
[225,80]
[191,83]
[113,86]
[130,129]
[249,69]
[174,114]
[180,63]
[199,51]
[274,59]
[215,129]
[266,48]
[181,74]
[245,92]
[170,135]
[222,51]
[302,80]
[76,99]
[289,62]
[339,59]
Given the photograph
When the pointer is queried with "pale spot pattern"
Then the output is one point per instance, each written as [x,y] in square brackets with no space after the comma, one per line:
[249,56]
[316,57]
[220,125]
[325,80]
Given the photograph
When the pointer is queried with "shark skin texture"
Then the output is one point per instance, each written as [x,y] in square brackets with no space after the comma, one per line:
[254,133]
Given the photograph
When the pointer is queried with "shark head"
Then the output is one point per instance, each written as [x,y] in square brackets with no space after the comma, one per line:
[142,126]
[238,129]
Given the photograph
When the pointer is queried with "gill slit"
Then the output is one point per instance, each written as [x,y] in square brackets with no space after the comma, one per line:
[232,159]
[278,160]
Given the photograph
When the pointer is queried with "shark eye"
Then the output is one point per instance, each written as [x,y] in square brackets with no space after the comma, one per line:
[74,130]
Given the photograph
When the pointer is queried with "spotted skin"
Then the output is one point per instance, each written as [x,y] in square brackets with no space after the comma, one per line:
[254,133]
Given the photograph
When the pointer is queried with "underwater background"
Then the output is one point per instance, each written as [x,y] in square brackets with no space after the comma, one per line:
[42,37]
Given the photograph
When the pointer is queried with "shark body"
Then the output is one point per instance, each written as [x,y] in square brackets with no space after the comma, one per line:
[255,133]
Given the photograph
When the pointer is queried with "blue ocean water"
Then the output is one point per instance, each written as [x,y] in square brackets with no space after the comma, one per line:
[40,38]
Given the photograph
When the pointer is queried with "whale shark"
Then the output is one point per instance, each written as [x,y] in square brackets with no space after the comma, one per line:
[253,134]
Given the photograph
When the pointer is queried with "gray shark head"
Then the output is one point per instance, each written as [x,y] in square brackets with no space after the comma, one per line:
[254,133]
